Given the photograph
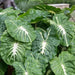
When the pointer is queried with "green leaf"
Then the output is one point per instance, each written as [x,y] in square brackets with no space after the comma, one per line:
[21,31]
[33,66]
[72,16]
[2,27]
[12,50]
[30,67]
[71,49]
[4,15]
[45,44]
[48,8]
[24,5]
[1,72]
[64,28]
[68,11]
[40,58]
[64,64]
[3,67]
[33,14]
[19,68]
[9,11]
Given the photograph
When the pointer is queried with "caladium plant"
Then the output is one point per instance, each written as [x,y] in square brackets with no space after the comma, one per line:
[34,42]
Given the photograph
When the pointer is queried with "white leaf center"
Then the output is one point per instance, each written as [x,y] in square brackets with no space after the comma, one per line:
[23,29]
[26,73]
[15,49]
[43,46]
[64,69]
[1,13]
[62,29]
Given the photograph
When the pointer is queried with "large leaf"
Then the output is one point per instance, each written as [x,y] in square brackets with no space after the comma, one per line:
[31,67]
[40,58]
[4,15]
[35,64]
[19,68]
[21,31]
[9,11]
[33,14]
[45,44]
[12,50]
[64,64]
[64,28]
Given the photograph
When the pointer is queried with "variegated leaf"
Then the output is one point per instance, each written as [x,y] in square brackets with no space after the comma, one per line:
[19,30]
[64,28]
[45,44]
[64,64]
[12,50]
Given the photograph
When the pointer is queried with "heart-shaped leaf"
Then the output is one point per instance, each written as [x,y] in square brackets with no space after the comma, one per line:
[21,31]
[12,50]
[64,64]
[45,44]
[32,15]
[64,28]
[30,67]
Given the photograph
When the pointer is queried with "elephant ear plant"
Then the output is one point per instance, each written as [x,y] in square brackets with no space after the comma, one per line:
[36,42]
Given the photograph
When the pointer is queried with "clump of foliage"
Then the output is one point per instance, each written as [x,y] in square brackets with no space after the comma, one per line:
[40,41]
[26,4]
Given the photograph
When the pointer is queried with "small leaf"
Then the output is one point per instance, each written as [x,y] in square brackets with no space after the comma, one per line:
[3,67]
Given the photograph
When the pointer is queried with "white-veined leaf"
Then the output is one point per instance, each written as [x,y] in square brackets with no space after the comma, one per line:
[30,67]
[19,30]
[64,64]
[45,44]
[64,28]
[4,15]
[12,50]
